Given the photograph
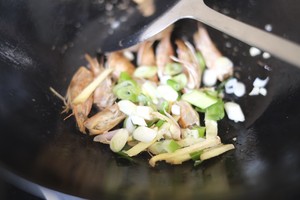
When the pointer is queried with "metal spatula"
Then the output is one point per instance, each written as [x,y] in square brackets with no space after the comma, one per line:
[198,10]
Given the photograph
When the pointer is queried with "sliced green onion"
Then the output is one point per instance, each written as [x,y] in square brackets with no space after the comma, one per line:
[200,60]
[119,140]
[213,93]
[149,90]
[211,128]
[170,146]
[215,111]
[167,93]
[159,123]
[164,107]
[173,69]
[124,76]
[196,155]
[165,146]
[176,86]
[201,130]
[181,79]
[123,155]
[145,71]
[156,148]
[127,90]
[199,99]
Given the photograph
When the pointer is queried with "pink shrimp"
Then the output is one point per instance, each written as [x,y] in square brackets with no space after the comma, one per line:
[80,80]
[145,54]
[214,60]
[119,63]
[105,120]
[187,57]
[164,51]
[103,95]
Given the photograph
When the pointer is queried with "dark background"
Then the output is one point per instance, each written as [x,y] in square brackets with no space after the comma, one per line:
[42,44]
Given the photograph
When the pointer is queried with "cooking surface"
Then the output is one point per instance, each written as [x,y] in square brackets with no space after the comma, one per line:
[38,49]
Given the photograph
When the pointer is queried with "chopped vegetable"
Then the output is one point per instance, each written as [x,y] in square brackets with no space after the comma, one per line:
[173,69]
[84,95]
[144,134]
[234,111]
[215,151]
[119,140]
[155,97]
[215,111]
[127,90]
[167,92]
[199,99]
[145,72]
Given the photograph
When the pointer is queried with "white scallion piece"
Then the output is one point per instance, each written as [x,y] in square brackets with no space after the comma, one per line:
[137,120]
[263,91]
[229,85]
[144,134]
[254,51]
[164,79]
[260,82]
[266,55]
[268,27]
[223,67]
[127,107]
[128,54]
[209,77]
[130,127]
[254,91]
[167,93]
[175,109]
[145,72]
[234,112]
[239,89]
[119,140]
[144,112]
[149,89]
[190,133]
[211,127]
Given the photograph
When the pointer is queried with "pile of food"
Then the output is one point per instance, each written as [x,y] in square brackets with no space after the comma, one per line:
[162,97]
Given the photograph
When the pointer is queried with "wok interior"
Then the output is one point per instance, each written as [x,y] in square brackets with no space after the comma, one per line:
[39,145]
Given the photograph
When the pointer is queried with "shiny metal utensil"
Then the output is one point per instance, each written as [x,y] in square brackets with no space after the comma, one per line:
[198,10]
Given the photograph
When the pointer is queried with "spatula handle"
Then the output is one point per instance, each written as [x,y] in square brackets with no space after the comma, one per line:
[198,10]
[276,46]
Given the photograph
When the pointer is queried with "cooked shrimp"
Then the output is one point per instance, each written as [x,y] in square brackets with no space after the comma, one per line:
[164,51]
[80,80]
[188,115]
[146,57]
[186,56]
[103,95]
[145,54]
[214,60]
[105,120]
[119,63]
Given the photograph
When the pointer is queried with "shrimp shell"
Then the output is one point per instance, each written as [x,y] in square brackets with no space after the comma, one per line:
[164,51]
[119,63]
[188,116]
[103,95]
[186,56]
[82,78]
[145,54]
[105,120]
[211,54]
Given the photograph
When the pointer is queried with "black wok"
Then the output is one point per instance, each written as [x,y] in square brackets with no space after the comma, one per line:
[42,44]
